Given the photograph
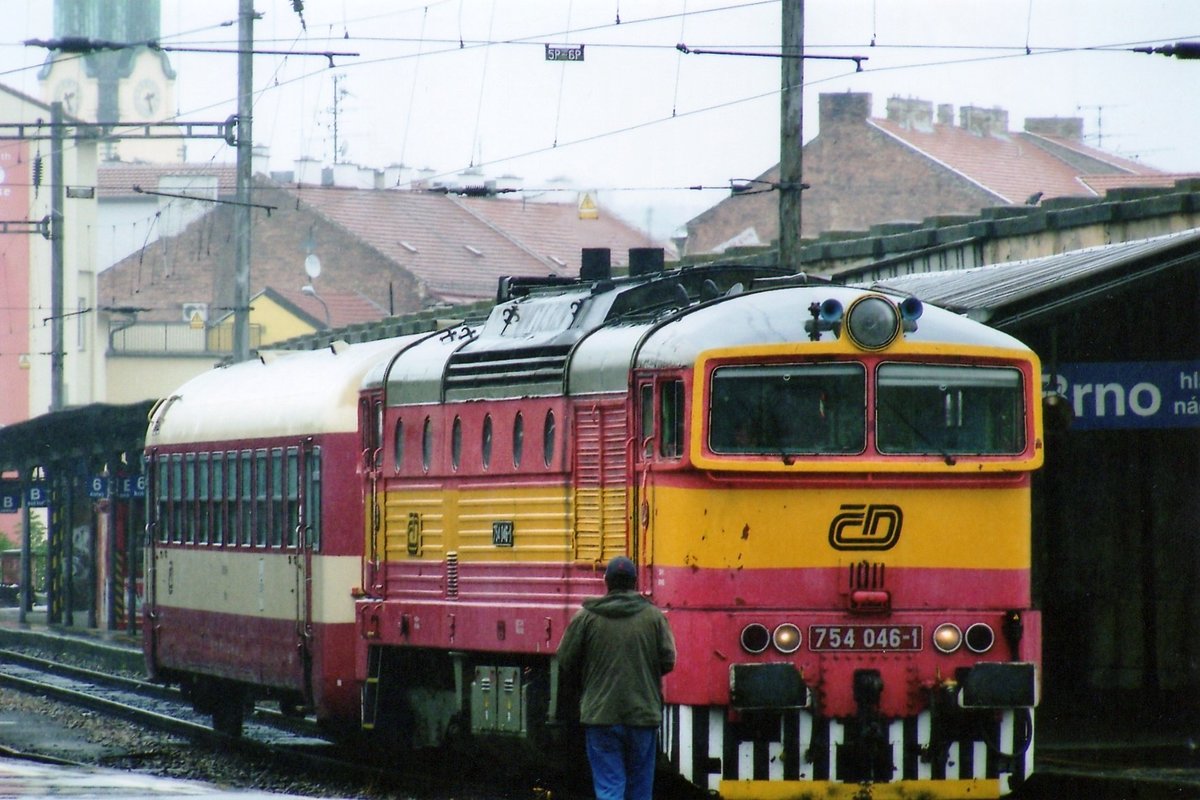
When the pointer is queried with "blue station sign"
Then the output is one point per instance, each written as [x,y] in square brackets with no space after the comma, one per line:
[1119,395]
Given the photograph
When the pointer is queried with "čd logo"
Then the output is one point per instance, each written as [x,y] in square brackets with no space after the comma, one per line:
[866,527]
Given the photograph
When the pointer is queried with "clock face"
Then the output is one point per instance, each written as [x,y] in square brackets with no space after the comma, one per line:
[66,92]
[147,99]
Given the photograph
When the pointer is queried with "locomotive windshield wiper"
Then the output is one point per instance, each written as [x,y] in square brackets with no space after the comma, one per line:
[942,451]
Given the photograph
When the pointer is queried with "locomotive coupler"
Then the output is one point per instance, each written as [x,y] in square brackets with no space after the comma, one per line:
[866,754]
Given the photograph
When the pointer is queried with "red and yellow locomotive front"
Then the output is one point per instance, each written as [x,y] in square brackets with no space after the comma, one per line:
[843,547]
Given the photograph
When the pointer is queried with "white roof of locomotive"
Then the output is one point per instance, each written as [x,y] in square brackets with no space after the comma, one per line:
[779,316]
[284,394]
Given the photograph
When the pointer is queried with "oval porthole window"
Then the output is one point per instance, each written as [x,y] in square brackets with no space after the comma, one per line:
[427,445]
[548,439]
[518,438]
[456,443]
[398,446]
[485,449]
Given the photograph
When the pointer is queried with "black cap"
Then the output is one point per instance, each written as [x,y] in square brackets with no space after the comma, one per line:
[620,569]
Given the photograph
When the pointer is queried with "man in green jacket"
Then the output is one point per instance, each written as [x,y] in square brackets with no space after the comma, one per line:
[617,648]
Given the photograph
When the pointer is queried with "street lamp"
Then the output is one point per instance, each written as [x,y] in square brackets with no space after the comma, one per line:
[311,291]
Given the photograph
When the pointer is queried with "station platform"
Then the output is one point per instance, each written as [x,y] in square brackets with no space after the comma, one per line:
[1114,755]
[26,778]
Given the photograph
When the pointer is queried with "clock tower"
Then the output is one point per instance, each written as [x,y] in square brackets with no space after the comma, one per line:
[129,85]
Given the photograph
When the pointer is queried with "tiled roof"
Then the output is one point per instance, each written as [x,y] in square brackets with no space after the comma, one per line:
[381,252]
[345,308]
[117,178]
[460,248]
[555,231]
[1012,166]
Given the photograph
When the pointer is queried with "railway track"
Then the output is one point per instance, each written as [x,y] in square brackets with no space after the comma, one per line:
[151,705]
[289,744]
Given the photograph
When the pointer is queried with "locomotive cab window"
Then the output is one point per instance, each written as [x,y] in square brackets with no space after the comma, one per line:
[670,409]
[661,426]
[788,409]
[938,409]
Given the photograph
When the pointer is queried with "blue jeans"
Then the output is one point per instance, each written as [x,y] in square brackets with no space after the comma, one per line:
[622,759]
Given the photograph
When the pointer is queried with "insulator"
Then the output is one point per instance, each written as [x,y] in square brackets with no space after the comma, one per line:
[37,170]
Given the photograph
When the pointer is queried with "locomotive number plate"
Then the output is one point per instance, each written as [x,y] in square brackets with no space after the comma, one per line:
[864,637]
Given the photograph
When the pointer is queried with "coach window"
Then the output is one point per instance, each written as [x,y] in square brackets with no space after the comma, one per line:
[485,446]
[231,496]
[671,413]
[398,446]
[246,501]
[177,498]
[278,513]
[312,498]
[456,444]
[518,439]
[202,484]
[260,498]
[293,495]
[162,490]
[548,439]
[189,498]
[218,498]
[427,445]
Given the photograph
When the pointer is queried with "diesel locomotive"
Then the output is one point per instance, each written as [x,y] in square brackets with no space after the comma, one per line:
[826,488]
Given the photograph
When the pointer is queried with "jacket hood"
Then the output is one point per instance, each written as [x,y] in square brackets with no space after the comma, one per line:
[616,604]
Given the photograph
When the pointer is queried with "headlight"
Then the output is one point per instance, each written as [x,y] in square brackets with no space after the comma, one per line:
[872,322]
[786,638]
[947,637]
[755,638]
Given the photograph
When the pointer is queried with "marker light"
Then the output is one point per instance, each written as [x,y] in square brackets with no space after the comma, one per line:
[755,638]
[786,638]
[947,637]
[980,637]
[872,322]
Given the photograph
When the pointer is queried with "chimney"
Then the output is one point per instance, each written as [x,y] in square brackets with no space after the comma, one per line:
[645,260]
[260,159]
[308,171]
[910,114]
[1069,128]
[984,121]
[397,176]
[843,108]
[596,264]
[945,114]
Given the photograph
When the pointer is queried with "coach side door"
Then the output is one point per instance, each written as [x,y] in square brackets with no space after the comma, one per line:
[370,422]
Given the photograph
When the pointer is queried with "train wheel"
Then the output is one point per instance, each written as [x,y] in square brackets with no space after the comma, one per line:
[229,712]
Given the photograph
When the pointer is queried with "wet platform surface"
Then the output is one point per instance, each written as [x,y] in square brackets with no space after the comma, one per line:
[24,778]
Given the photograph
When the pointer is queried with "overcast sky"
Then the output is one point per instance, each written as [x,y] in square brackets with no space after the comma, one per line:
[458,83]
